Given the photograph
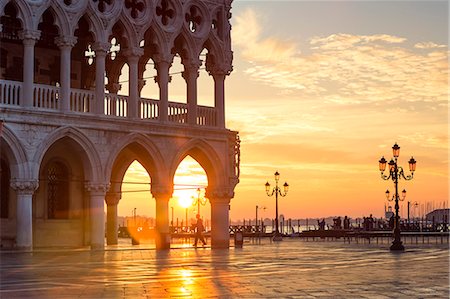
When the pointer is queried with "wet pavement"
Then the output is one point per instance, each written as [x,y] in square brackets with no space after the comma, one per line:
[287,269]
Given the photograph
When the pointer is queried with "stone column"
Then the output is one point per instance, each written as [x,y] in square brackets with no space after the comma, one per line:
[29,39]
[24,219]
[162,68]
[219,98]
[101,49]
[190,74]
[112,230]
[97,192]
[65,44]
[162,196]
[133,55]
[220,206]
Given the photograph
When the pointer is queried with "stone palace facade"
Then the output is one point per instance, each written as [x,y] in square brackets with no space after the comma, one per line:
[67,137]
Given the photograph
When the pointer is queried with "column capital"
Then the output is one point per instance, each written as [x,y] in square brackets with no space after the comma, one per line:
[30,35]
[94,187]
[191,69]
[112,198]
[133,53]
[100,47]
[66,41]
[27,187]
[162,191]
[113,87]
[161,58]
[222,195]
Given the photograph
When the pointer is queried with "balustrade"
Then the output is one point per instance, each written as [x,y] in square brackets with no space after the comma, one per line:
[148,109]
[81,100]
[116,105]
[178,112]
[47,97]
[10,92]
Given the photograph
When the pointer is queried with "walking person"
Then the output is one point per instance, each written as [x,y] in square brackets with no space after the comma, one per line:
[199,231]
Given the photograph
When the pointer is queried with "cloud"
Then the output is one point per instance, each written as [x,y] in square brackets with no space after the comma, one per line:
[344,68]
[428,45]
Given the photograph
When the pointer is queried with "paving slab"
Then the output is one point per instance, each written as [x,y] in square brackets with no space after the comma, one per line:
[288,269]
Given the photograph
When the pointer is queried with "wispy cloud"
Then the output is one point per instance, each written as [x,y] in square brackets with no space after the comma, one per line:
[345,68]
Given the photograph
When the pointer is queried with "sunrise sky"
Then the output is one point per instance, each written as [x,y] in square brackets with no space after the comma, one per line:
[320,91]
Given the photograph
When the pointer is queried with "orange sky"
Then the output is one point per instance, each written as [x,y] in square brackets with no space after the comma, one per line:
[320,96]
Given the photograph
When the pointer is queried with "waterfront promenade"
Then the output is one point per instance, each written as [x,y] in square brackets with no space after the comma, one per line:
[288,269]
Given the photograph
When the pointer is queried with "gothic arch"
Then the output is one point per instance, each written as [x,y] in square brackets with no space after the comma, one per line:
[92,164]
[23,13]
[135,147]
[186,47]
[205,155]
[61,19]
[15,154]
[94,26]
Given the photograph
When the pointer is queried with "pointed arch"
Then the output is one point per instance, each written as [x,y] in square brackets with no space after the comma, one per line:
[16,155]
[205,155]
[24,13]
[61,18]
[186,47]
[91,159]
[138,147]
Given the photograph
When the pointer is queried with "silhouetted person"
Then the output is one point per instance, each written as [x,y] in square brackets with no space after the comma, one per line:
[321,224]
[346,222]
[199,228]
[391,222]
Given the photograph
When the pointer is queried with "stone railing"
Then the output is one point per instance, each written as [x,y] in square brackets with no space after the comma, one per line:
[10,92]
[47,97]
[81,100]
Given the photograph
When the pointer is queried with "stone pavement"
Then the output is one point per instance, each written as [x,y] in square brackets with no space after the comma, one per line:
[287,269]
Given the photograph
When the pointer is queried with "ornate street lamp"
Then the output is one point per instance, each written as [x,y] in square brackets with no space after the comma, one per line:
[198,201]
[395,173]
[277,191]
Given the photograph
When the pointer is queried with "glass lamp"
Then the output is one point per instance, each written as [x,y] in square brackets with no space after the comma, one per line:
[286,187]
[412,164]
[382,164]
[396,150]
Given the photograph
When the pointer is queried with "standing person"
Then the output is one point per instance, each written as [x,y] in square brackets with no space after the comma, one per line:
[199,231]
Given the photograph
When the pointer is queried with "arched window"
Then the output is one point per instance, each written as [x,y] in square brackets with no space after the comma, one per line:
[57,191]
[4,189]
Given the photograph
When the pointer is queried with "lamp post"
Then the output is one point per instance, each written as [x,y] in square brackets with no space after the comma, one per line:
[415,204]
[277,191]
[395,173]
[198,201]
[256,221]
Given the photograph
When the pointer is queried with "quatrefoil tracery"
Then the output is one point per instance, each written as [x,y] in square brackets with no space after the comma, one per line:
[165,11]
[194,18]
[136,7]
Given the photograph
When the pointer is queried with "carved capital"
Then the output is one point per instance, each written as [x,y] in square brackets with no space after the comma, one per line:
[27,187]
[100,188]
[113,87]
[65,41]
[112,198]
[163,60]
[162,191]
[30,35]
[222,195]
[191,70]
[100,47]
[220,68]
[133,53]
